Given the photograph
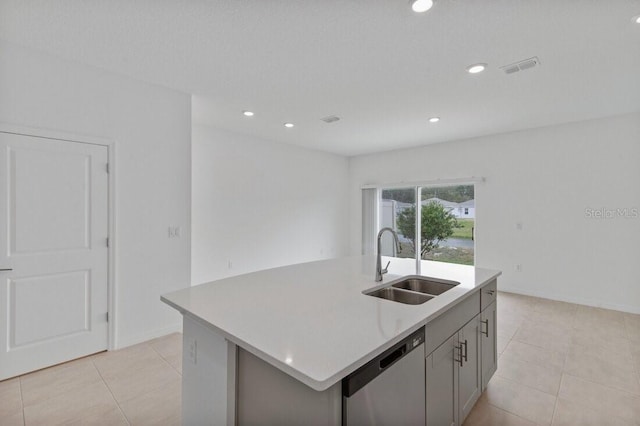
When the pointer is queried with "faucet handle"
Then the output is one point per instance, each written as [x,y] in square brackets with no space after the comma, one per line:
[384,271]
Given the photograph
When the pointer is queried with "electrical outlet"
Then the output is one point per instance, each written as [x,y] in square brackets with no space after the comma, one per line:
[230,265]
[518,267]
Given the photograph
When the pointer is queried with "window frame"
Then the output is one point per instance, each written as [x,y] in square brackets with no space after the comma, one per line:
[417,187]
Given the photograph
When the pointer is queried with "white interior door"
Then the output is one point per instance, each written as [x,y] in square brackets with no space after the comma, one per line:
[53,230]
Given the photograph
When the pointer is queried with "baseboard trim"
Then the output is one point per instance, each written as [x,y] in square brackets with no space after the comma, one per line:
[124,342]
[576,300]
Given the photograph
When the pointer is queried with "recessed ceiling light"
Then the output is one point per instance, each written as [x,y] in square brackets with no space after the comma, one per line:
[637,19]
[248,113]
[288,125]
[434,119]
[476,68]
[420,6]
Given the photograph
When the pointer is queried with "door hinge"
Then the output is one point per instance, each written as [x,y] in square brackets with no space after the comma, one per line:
[106,167]
[106,240]
[107,316]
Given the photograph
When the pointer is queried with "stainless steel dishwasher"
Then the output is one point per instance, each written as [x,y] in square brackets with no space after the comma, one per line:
[390,389]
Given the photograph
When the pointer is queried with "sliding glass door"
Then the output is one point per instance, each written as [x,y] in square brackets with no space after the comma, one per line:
[433,222]
[395,206]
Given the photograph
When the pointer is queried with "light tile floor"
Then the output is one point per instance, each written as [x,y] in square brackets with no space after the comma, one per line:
[560,364]
[139,385]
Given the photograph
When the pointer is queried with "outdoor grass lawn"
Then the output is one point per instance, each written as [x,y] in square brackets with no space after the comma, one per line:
[462,256]
[466,226]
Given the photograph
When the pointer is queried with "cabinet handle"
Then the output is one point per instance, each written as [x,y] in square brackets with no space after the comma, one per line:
[465,350]
[485,322]
[459,348]
[490,292]
[6,270]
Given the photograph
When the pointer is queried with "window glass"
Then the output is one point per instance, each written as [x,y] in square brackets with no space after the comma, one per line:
[447,223]
[396,207]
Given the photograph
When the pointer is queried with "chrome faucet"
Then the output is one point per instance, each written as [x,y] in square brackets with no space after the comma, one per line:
[379,270]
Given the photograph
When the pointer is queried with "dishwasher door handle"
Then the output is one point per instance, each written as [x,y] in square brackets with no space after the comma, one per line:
[392,357]
[383,362]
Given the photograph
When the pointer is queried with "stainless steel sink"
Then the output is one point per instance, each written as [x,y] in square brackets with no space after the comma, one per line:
[399,295]
[413,290]
[427,286]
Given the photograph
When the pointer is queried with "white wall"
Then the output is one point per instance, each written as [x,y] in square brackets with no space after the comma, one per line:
[151,128]
[260,204]
[544,178]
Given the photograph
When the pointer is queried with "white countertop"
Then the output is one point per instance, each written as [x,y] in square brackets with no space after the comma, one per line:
[311,320]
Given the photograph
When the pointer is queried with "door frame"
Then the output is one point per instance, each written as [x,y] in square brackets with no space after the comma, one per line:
[112,338]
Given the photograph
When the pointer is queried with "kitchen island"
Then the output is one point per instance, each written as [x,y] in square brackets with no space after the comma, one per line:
[307,327]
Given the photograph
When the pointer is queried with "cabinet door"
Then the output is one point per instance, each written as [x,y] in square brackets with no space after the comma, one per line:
[441,383]
[489,343]
[469,380]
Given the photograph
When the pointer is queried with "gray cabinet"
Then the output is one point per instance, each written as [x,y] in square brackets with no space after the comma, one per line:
[453,380]
[488,343]
[442,377]
[469,378]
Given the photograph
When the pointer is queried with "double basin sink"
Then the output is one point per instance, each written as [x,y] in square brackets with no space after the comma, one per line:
[413,290]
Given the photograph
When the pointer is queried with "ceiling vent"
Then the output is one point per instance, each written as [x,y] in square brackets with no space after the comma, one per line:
[521,65]
[330,119]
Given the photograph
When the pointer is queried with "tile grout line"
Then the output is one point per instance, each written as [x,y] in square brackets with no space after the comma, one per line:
[165,360]
[555,405]
[512,339]
[111,392]
[634,362]
[574,327]
[612,363]
[512,413]
[538,346]
[564,364]
[534,363]
[526,386]
[24,417]
[580,404]
[630,394]
[566,357]
[150,390]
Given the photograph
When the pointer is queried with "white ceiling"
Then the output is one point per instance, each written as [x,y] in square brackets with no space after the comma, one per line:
[380,67]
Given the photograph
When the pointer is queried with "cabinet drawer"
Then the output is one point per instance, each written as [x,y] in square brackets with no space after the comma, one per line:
[442,327]
[488,294]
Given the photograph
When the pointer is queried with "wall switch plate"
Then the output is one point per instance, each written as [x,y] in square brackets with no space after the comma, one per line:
[193,351]
[174,231]
[518,267]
